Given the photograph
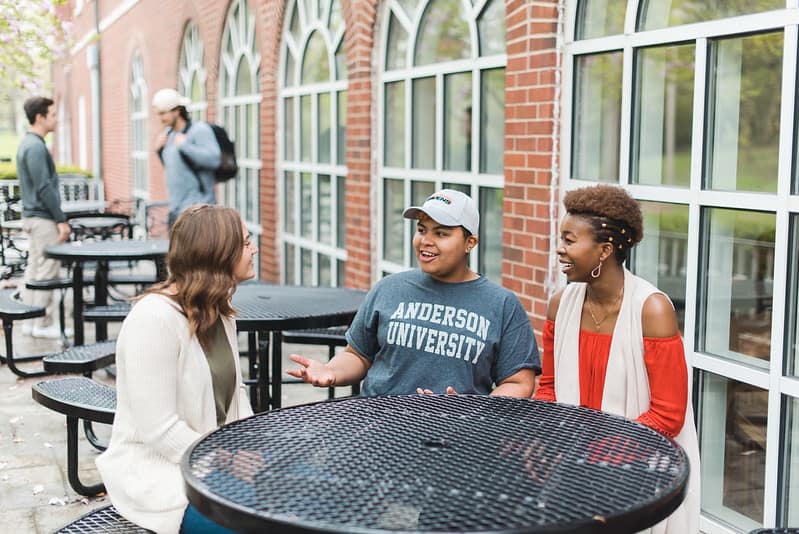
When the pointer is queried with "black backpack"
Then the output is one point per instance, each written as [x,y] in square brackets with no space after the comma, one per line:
[228,168]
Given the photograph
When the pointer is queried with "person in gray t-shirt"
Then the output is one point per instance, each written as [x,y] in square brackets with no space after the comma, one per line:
[440,329]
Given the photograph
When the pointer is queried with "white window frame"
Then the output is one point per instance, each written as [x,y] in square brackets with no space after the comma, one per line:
[475,65]
[192,55]
[140,183]
[240,31]
[781,203]
[333,37]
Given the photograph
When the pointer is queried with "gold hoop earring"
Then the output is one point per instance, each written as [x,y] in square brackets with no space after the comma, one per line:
[597,270]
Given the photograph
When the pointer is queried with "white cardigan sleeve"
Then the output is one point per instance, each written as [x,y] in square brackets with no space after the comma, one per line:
[149,347]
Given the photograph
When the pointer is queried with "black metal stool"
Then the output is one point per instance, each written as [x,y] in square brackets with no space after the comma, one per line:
[105,519]
[77,398]
[12,310]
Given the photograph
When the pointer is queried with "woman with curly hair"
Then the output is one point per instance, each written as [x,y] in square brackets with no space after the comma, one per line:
[178,373]
[611,340]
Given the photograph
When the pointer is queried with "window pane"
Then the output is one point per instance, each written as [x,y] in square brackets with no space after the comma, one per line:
[443,33]
[341,270]
[738,257]
[597,114]
[394,152]
[424,123]
[306,204]
[662,13]
[341,208]
[305,127]
[325,209]
[323,131]
[492,121]
[466,189]
[290,69]
[243,78]
[341,61]
[490,248]
[336,17]
[393,206]
[744,113]
[732,441]
[663,116]
[662,255]
[325,278]
[491,26]
[341,121]
[598,18]
[289,204]
[289,267]
[458,122]
[288,121]
[315,65]
[792,306]
[397,48]
[790,482]
[306,266]
[409,6]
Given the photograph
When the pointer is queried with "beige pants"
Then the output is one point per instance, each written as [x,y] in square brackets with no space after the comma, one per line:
[41,233]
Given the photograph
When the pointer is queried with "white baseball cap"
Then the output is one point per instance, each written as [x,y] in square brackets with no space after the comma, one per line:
[450,208]
[169,99]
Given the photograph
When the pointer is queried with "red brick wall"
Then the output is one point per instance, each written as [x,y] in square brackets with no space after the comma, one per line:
[529,122]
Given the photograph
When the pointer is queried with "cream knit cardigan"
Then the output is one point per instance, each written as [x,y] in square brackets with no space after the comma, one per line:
[165,401]
[626,390]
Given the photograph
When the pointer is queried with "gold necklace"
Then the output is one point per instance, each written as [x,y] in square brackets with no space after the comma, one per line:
[598,323]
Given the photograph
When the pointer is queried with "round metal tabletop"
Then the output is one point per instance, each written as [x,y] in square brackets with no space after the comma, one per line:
[424,463]
[261,306]
[124,249]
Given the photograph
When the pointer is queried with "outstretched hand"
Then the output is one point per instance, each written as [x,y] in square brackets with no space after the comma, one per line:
[312,371]
[450,391]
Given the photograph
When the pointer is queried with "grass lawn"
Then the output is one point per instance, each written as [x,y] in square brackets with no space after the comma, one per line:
[8,144]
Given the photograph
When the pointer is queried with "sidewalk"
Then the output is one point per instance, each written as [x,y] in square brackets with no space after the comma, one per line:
[34,491]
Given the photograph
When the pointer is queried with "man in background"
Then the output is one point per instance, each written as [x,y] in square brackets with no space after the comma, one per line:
[42,217]
[189,151]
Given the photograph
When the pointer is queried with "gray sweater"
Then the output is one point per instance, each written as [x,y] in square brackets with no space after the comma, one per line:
[41,196]
[182,183]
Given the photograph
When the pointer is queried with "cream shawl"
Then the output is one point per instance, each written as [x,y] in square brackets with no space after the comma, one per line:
[626,389]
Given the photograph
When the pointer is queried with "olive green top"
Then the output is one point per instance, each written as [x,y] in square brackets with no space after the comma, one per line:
[223,370]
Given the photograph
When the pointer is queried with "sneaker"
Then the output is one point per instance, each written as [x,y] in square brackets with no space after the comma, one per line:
[47,332]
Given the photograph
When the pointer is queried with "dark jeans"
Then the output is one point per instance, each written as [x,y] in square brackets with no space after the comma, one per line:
[196,523]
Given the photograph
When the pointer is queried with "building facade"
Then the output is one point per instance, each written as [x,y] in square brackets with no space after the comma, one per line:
[346,111]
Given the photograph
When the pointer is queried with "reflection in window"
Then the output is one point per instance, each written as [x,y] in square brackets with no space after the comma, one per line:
[792,306]
[732,443]
[745,80]
[140,153]
[789,500]
[315,40]
[443,33]
[597,115]
[663,13]
[662,255]
[191,72]
[598,18]
[739,265]
[443,123]
[663,116]
[490,203]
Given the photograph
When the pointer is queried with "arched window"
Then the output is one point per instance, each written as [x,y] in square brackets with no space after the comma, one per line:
[140,153]
[314,113]
[239,105]
[191,72]
[442,106]
[691,104]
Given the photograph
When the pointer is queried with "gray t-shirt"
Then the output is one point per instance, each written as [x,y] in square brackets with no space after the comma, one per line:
[419,332]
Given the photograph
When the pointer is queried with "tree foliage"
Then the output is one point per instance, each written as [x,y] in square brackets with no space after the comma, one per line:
[31,35]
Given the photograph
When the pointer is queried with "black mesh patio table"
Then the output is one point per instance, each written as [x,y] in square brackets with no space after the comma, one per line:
[419,463]
[268,308]
[78,252]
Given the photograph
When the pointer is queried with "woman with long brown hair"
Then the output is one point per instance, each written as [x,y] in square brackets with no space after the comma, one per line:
[178,373]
